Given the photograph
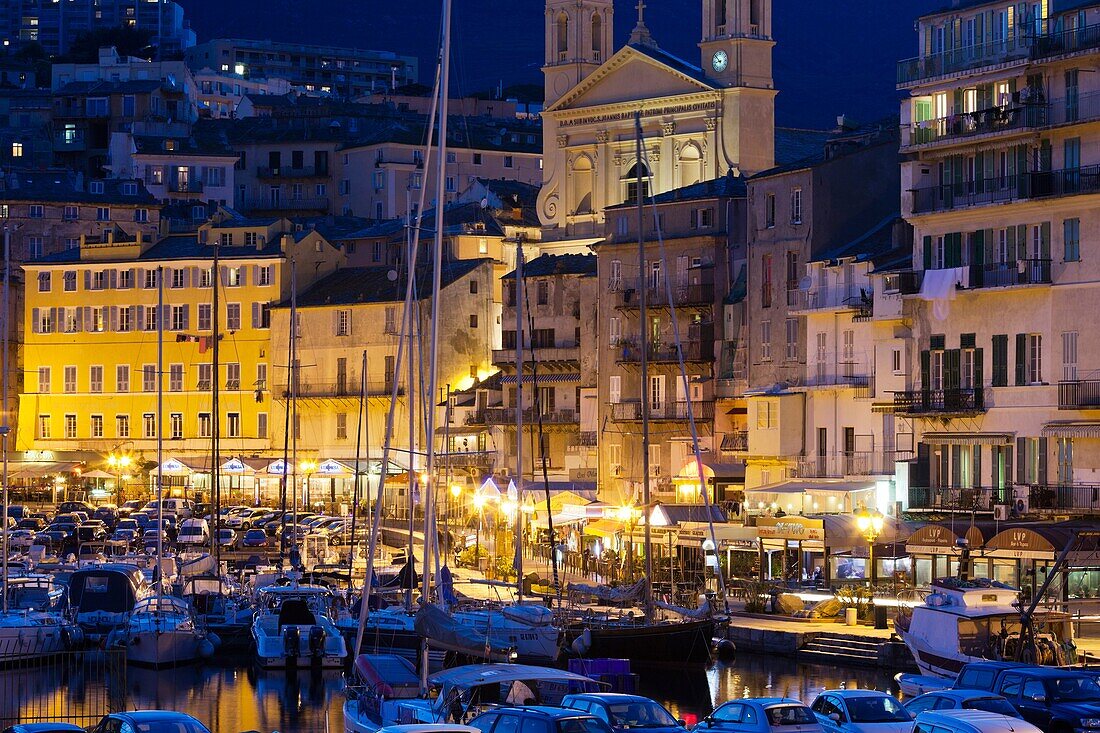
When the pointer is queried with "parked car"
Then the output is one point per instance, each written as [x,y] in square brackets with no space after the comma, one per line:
[21,539]
[625,712]
[546,719]
[762,715]
[107,513]
[970,721]
[244,519]
[130,507]
[194,532]
[91,531]
[227,538]
[861,711]
[32,523]
[150,721]
[129,536]
[17,511]
[956,699]
[1056,700]
[75,506]
[255,538]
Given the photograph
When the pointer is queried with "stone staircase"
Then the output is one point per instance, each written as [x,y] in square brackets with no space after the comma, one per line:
[842,650]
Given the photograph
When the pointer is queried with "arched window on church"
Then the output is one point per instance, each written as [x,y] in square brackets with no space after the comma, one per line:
[631,181]
[597,37]
[582,185]
[719,17]
[563,36]
[691,165]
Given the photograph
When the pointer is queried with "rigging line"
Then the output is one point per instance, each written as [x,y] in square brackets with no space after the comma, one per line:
[684,377]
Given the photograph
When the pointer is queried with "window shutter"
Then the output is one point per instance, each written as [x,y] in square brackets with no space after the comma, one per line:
[87,279]
[163,320]
[133,277]
[255,274]
[113,278]
[186,317]
[1008,463]
[979,368]
[1021,456]
[244,276]
[1021,359]
[55,319]
[977,248]
[925,369]
[1044,241]
[87,318]
[1042,474]
[951,368]
[114,317]
[187,277]
[1021,242]
[139,281]
[927,252]
[956,465]
[976,472]
[166,273]
[336,322]
[255,315]
[35,320]
[139,322]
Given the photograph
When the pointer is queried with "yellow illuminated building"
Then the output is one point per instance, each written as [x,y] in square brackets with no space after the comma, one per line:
[91,324]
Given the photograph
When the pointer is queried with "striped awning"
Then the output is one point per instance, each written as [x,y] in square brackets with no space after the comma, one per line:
[967,438]
[543,378]
[1071,430]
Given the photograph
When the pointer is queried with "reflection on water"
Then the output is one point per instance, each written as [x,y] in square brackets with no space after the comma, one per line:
[231,699]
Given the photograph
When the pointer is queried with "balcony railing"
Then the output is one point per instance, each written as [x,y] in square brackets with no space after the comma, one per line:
[656,294]
[1032,185]
[507,416]
[843,297]
[566,351]
[1064,499]
[735,442]
[1003,274]
[1066,41]
[631,411]
[838,465]
[477,459]
[838,374]
[1081,394]
[178,186]
[284,204]
[905,282]
[981,499]
[350,388]
[946,401]
[981,122]
[1013,48]
[286,171]
[631,353]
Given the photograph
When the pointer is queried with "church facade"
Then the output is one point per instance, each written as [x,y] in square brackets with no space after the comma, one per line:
[697,122]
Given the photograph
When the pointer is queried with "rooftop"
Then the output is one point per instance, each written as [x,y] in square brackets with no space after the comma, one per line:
[360,285]
[65,186]
[564,264]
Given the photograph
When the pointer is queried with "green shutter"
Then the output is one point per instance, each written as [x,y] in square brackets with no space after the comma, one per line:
[1000,360]
[1042,461]
[977,247]
[1044,241]
[953,249]
[979,368]
[925,369]
[952,369]
[1021,359]
[1021,242]
[1021,461]
[927,252]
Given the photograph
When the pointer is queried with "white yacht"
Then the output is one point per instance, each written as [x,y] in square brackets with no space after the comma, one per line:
[101,597]
[526,628]
[293,628]
[965,621]
[161,632]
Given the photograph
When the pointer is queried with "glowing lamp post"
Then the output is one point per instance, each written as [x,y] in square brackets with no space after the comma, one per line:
[118,463]
[870,523]
[307,468]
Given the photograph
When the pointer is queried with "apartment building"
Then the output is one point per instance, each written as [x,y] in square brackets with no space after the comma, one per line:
[558,405]
[178,163]
[220,92]
[55,25]
[55,208]
[999,183]
[91,338]
[797,213]
[356,314]
[343,72]
[685,277]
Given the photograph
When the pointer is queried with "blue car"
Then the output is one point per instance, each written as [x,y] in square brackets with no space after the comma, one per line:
[861,711]
[538,719]
[625,712]
[149,721]
[953,699]
[761,715]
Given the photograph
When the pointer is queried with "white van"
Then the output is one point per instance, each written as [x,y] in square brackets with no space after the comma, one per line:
[194,532]
[183,508]
[970,721]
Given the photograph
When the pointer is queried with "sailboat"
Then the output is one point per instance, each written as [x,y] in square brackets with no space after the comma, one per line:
[160,630]
[24,634]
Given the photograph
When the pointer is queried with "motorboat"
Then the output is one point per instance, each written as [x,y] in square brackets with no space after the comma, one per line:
[383,691]
[220,607]
[527,629]
[293,628]
[34,625]
[102,597]
[962,621]
[161,632]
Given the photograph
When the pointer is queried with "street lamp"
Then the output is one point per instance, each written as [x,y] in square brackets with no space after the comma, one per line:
[869,523]
[118,463]
[307,467]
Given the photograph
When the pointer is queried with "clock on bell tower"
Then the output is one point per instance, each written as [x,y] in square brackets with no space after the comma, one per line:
[737,44]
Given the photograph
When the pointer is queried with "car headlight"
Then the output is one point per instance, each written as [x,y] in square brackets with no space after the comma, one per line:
[1090,722]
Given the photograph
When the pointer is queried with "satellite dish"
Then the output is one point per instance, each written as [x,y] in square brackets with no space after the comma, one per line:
[485,203]
[805,283]
[392,276]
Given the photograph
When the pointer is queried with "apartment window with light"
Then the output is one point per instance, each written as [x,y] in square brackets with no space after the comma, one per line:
[796,205]
[233,316]
[233,277]
[70,379]
[265,275]
[769,210]
[97,426]
[95,379]
[70,426]
[148,378]
[343,322]
[43,380]
[44,427]
[122,378]
[149,424]
[17,150]
[205,430]
[122,426]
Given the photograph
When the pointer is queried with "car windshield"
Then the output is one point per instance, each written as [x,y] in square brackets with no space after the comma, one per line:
[991,705]
[641,714]
[170,726]
[790,715]
[1075,689]
[876,709]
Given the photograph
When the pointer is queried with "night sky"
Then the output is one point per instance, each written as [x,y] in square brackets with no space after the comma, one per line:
[832,57]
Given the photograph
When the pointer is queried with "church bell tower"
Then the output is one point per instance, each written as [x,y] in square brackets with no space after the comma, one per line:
[737,42]
[578,39]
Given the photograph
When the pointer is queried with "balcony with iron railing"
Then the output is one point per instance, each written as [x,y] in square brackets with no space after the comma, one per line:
[564,351]
[656,294]
[181,186]
[1002,189]
[1006,118]
[630,352]
[349,389]
[466,459]
[1015,48]
[1079,394]
[285,171]
[1061,42]
[855,463]
[835,298]
[849,371]
[956,401]
[1003,274]
[506,416]
[736,441]
[631,410]
[1072,499]
[970,499]
[284,203]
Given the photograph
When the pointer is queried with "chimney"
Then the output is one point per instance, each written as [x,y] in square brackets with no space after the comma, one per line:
[109,234]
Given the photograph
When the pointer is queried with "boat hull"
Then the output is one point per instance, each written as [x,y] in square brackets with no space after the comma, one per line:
[24,643]
[659,644]
[163,648]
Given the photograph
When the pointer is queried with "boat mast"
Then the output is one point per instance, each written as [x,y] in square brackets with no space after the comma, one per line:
[216,420]
[286,435]
[358,449]
[643,324]
[5,428]
[160,427]
[518,559]
[293,404]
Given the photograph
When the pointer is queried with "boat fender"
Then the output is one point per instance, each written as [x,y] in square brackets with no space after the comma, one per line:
[71,637]
[291,640]
[582,643]
[206,648]
[725,650]
[214,639]
[316,640]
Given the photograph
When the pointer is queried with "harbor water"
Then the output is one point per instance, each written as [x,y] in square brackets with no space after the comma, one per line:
[232,699]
